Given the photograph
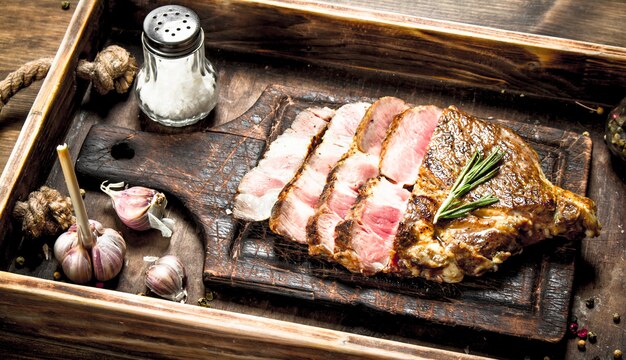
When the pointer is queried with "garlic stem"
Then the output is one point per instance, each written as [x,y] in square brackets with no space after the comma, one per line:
[77,201]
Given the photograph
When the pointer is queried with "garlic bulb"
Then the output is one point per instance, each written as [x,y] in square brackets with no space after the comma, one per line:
[166,278]
[80,264]
[140,208]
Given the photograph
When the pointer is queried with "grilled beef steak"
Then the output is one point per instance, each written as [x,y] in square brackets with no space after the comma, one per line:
[376,212]
[530,209]
[259,188]
[358,165]
[364,240]
[296,202]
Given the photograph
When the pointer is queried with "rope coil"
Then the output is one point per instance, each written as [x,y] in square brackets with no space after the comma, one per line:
[113,68]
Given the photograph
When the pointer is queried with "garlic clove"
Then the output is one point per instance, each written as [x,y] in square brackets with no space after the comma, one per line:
[167,278]
[77,265]
[69,238]
[138,207]
[108,255]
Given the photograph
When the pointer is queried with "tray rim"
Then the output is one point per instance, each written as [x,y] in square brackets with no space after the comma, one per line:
[15,288]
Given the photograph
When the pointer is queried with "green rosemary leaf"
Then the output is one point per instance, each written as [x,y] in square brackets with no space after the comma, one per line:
[475,172]
[464,209]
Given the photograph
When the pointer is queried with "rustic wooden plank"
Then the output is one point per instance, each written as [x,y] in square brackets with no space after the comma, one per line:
[171,330]
[59,95]
[560,18]
[431,50]
[28,31]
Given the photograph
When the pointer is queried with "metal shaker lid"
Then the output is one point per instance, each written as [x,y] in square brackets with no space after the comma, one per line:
[172,31]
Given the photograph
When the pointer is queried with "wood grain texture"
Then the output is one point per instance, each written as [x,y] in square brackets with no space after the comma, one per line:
[601,266]
[28,31]
[560,18]
[58,96]
[165,326]
[529,299]
[408,46]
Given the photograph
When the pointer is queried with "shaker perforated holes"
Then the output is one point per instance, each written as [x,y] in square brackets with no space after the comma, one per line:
[175,22]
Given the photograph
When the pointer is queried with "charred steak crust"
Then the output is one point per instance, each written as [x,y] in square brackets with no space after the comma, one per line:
[530,208]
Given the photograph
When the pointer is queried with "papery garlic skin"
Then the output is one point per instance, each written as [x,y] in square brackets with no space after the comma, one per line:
[77,265]
[69,238]
[167,278]
[139,208]
[104,260]
[108,255]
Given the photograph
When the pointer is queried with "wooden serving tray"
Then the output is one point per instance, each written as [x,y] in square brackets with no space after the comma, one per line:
[322,312]
[529,297]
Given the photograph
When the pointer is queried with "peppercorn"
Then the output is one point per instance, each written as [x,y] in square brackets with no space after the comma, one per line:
[20,261]
[581,344]
[204,302]
[616,318]
[582,333]
[617,354]
[573,328]
[56,275]
[65,5]
[592,337]
[590,303]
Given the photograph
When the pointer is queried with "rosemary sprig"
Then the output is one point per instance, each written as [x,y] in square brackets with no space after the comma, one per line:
[475,172]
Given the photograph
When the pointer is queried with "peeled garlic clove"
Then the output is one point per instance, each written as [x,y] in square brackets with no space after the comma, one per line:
[166,278]
[138,207]
[108,255]
[77,265]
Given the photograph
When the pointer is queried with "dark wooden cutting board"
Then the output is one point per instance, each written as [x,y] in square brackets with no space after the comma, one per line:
[528,297]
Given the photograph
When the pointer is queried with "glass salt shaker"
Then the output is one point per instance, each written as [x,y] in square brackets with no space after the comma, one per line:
[177,84]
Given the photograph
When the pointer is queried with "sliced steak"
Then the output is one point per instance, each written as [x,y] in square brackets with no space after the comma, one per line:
[258,190]
[364,241]
[530,209]
[406,142]
[353,170]
[297,200]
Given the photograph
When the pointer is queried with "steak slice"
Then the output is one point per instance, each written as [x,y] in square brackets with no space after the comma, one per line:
[364,241]
[358,165]
[297,200]
[259,188]
[530,209]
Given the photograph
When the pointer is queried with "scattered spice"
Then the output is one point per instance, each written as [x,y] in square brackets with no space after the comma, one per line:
[582,333]
[100,285]
[65,5]
[573,328]
[599,110]
[20,261]
[586,133]
[205,301]
[617,354]
[590,303]
[546,358]
[592,337]
[141,293]
[57,275]
[581,344]
[616,318]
